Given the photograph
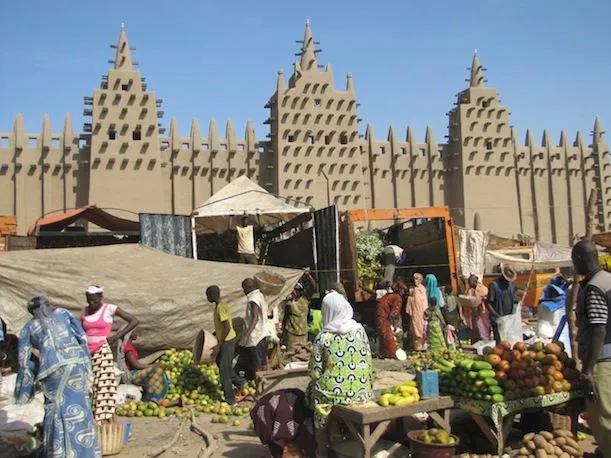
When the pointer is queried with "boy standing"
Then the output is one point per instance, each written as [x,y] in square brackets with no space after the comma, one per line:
[225,335]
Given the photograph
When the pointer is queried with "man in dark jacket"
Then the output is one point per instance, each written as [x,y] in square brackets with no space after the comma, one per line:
[594,340]
[501,297]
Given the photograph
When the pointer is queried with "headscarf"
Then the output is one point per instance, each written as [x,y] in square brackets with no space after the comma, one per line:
[418,278]
[93,290]
[432,290]
[337,314]
[338,287]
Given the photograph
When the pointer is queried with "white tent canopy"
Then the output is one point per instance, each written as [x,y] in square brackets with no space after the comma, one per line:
[544,256]
[241,196]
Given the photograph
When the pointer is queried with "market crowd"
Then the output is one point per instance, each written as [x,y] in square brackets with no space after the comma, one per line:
[73,362]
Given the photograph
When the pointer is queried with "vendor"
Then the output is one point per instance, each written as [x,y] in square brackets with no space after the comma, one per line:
[53,353]
[246,241]
[97,320]
[388,317]
[295,321]
[417,305]
[594,340]
[150,377]
[253,354]
[340,365]
[501,297]
[392,255]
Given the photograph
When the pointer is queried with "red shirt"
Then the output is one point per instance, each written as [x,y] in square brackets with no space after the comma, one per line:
[129,348]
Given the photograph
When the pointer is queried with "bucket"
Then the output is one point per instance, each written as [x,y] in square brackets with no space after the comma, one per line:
[421,449]
[202,349]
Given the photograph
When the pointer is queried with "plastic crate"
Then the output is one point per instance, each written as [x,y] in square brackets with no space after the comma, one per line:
[428,382]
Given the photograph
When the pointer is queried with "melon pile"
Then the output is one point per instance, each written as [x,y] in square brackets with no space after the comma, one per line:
[533,371]
[191,388]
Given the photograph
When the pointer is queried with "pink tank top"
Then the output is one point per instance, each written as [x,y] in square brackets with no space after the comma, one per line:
[97,326]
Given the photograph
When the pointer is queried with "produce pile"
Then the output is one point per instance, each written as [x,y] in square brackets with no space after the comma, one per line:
[435,360]
[471,379]
[437,436]
[559,444]
[369,246]
[400,395]
[192,388]
[299,352]
[512,373]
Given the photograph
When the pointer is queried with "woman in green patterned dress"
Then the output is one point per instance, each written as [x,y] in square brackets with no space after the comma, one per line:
[340,365]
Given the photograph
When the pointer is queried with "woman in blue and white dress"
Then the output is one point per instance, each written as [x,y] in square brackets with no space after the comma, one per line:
[61,367]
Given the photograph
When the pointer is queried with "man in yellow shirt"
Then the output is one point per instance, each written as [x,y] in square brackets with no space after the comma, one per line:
[226,337]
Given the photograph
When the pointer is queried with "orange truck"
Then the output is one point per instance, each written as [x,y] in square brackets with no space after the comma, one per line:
[426,235]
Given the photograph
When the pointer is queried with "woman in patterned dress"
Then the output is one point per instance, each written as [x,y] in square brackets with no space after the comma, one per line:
[97,320]
[340,365]
[61,367]
[388,315]
[150,377]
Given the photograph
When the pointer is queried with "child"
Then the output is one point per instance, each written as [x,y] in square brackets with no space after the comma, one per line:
[436,325]
[226,337]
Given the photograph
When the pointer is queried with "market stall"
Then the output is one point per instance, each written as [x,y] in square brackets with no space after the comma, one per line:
[503,414]
[240,197]
[511,381]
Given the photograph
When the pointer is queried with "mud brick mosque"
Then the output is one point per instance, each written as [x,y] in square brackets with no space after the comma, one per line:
[123,159]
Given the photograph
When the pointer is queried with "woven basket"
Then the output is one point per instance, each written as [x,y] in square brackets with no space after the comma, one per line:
[112,436]
[270,282]
[560,421]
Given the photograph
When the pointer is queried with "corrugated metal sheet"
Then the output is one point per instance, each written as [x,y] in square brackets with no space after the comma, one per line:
[327,247]
[169,233]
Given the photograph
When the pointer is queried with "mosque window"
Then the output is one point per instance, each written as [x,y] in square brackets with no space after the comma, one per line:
[382,150]
[403,150]
[485,103]
[488,144]
[327,139]
[310,139]
[422,152]
[137,134]
[125,87]
[240,147]
[291,138]
[343,139]
[112,134]
[317,102]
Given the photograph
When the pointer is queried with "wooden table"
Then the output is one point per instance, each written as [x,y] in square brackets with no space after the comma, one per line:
[367,424]
[502,415]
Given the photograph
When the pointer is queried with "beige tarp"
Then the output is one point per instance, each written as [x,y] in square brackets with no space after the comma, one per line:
[242,196]
[165,292]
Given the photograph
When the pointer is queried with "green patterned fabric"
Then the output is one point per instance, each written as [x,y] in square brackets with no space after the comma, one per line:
[341,371]
[497,411]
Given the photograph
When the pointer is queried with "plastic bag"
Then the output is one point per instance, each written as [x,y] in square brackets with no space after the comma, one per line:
[127,393]
[510,326]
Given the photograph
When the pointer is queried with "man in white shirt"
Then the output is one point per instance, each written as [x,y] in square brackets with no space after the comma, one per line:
[253,355]
[246,242]
[391,256]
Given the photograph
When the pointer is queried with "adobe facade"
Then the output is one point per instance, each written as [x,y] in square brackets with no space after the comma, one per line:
[124,161]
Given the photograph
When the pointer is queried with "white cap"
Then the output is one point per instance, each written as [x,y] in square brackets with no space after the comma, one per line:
[91,290]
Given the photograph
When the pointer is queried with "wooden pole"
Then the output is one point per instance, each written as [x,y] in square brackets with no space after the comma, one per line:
[570,306]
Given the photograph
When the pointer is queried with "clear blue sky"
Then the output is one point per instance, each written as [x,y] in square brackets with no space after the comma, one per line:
[549,59]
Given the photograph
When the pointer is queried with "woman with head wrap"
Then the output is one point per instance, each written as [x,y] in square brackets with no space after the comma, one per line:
[61,368]
[477,318]
[433,290]
[388,316]
[97,320]
[416,307]
[340,364]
